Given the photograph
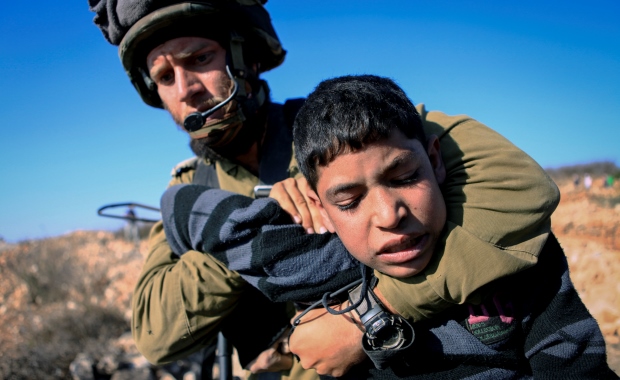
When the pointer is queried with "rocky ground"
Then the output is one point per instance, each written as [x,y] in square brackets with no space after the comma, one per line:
[65,301]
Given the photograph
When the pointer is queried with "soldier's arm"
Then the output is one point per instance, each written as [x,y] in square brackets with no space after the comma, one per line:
[499,202]
[179,302]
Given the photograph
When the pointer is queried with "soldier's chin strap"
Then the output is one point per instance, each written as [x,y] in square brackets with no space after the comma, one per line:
[195,124]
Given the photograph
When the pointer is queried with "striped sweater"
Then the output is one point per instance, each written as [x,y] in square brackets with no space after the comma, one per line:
[257,239]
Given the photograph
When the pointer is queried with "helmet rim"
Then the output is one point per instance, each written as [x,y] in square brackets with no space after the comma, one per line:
[189,19]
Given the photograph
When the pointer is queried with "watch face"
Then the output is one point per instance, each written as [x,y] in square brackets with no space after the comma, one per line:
[385,332]
[389,337]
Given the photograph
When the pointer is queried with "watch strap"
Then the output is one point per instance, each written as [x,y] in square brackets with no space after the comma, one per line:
[373,315]
[369,304]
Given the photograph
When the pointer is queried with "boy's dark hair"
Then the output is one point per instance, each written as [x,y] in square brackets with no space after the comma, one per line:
[347,113]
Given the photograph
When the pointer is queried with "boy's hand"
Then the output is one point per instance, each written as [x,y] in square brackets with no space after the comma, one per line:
[331,344]
[292,196]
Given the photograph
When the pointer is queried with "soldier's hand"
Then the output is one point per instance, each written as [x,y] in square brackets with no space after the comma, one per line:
[292,196]
[331,344]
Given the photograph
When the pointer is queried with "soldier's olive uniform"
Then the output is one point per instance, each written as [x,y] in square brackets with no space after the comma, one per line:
[498,206]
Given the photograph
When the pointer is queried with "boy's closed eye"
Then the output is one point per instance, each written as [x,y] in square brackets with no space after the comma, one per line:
[349,204]
[349,199]
[410,177]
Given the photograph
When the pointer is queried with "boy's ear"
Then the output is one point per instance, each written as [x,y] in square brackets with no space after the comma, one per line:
[433,149]
[316,202]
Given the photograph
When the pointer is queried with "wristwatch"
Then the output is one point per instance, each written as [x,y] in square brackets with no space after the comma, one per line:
[384,330]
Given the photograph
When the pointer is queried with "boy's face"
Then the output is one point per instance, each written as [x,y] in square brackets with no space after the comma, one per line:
[384,202]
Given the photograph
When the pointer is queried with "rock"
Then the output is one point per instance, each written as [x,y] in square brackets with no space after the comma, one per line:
[82,368]
[107,364]
[126,343]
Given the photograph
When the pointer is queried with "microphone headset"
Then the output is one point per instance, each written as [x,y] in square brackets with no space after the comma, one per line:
[196,120]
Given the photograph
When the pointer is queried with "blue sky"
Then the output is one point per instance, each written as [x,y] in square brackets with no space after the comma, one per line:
[545,74]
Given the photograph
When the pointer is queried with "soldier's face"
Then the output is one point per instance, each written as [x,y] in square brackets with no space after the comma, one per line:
[190,76]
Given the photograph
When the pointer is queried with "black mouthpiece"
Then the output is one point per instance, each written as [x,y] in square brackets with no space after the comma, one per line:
[194,121]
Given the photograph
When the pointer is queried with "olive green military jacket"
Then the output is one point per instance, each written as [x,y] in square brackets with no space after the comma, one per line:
[499,202]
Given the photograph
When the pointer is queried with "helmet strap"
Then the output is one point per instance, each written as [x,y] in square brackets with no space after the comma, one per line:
[240,71]
[243,74]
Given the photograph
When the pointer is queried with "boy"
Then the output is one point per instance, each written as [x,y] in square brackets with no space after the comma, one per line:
[412,213]
[375,177]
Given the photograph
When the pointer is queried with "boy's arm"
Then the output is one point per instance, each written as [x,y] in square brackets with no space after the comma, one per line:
[499,202]
[256,238]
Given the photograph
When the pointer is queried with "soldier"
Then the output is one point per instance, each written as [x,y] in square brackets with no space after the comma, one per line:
[192,57]
[202,62]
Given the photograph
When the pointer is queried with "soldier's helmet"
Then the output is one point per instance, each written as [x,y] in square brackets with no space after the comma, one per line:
[242,27]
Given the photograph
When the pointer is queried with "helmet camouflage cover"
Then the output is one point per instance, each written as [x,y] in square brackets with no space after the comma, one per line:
[138,26]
